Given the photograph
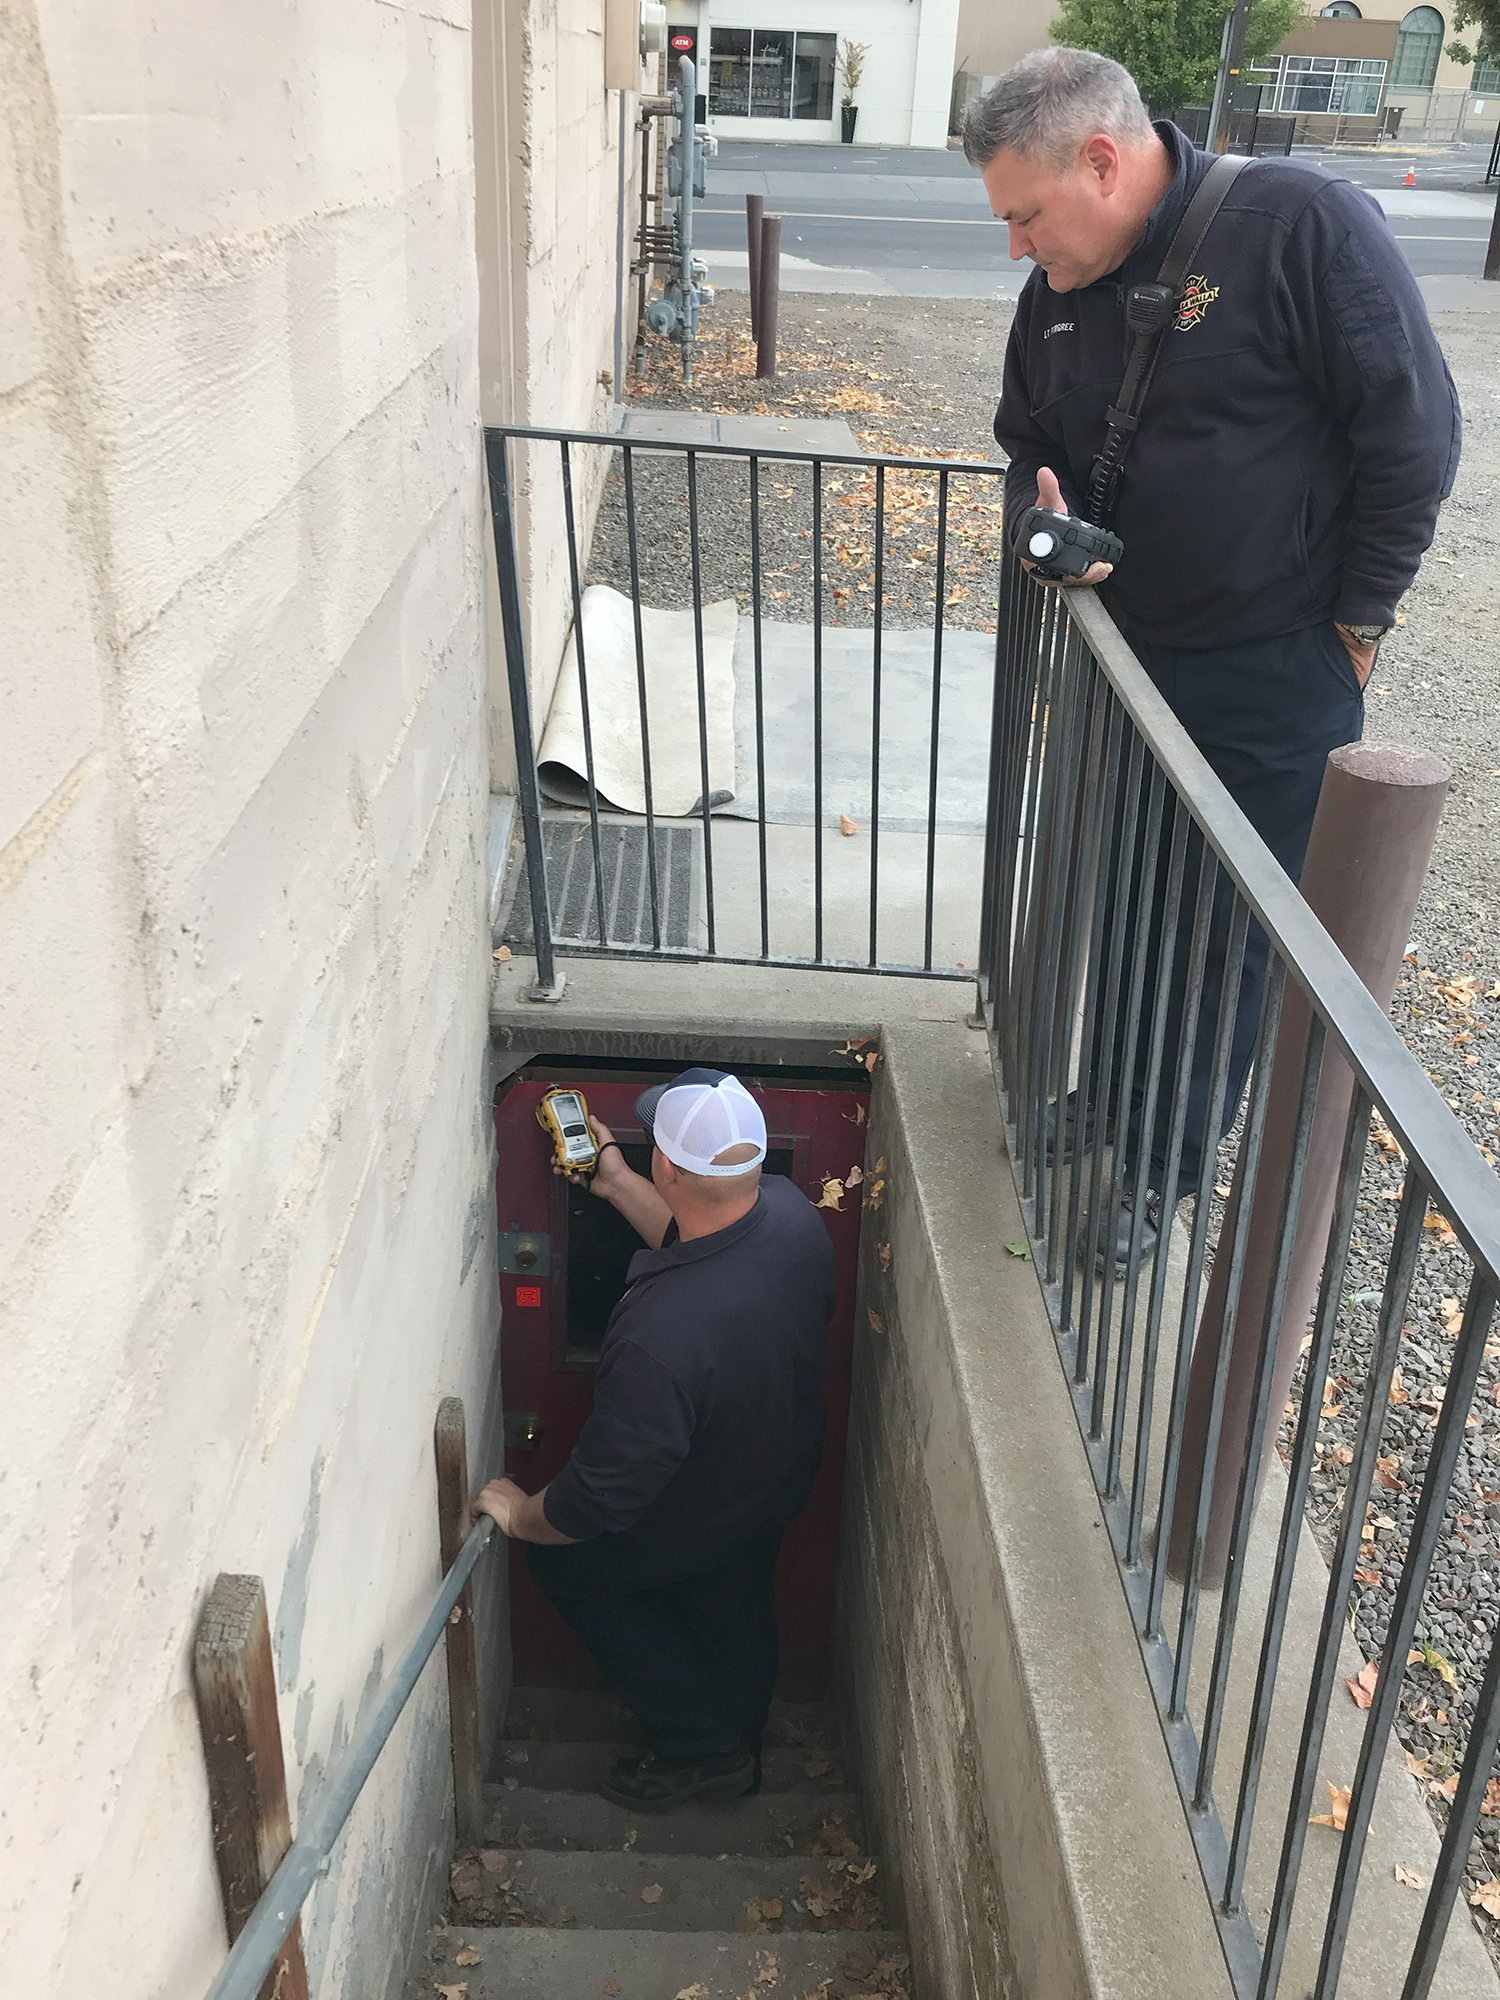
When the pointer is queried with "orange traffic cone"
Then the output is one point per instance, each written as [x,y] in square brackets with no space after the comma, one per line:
[1411,176]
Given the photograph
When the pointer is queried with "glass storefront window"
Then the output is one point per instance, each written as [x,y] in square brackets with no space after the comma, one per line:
[729,72]
[1347,86]
[770,73]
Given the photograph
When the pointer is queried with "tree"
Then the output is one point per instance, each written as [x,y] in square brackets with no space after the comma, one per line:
[1171,47]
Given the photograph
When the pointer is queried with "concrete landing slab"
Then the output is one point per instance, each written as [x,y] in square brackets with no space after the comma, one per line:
[772,1824]
[593,1715]
[1453,292]
[745,433]
[551,1964]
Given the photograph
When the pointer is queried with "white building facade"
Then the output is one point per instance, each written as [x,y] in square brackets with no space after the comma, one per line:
[769,70]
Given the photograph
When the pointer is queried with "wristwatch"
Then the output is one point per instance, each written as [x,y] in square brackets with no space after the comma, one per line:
[1367,635]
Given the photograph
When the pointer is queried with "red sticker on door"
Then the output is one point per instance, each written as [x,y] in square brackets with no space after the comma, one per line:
[528,1295]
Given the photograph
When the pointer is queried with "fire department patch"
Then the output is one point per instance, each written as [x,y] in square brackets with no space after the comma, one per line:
[1197,296]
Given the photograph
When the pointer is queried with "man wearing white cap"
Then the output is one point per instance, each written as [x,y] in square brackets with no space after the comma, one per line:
[658,1539]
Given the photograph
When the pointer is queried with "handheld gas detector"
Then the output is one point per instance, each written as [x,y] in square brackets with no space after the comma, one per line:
[564,1117]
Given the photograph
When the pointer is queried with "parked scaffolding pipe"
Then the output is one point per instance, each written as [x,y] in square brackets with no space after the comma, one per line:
[1378,812]
[770,295]
[755,209]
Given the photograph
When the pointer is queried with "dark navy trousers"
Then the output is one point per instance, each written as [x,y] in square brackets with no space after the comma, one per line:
[1265,715]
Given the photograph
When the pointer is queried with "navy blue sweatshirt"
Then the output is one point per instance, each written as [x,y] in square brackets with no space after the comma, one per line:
[708,1402]
[1298,435]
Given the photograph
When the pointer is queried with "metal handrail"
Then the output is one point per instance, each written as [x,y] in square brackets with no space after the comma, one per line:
[253,1952]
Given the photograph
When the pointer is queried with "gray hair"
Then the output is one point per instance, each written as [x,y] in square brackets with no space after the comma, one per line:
[1048,103]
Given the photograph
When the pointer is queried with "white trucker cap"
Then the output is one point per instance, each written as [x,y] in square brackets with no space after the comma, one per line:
[701,1113]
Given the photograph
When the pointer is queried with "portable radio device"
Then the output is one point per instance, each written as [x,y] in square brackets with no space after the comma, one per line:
[564,1117]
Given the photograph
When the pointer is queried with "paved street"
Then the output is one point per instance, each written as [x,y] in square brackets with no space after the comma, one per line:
[918,223]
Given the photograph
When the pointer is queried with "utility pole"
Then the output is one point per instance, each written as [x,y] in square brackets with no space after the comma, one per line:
[1492,255]
[1229,76]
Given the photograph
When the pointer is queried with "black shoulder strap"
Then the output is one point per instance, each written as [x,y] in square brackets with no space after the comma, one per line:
[1149,310]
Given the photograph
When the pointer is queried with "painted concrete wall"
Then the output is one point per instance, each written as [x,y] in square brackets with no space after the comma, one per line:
[547,154]
[903,97]
[990,37]
[245,1220]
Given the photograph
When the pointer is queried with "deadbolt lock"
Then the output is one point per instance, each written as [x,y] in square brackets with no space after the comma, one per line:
[524,1430]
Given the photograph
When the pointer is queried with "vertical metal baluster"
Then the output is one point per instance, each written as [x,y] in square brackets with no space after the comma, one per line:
[1208,871]
[1463,1824]
[1304,1454]
[1015,689]
[633,544]
[1442,1463]
[1386,1349]
[996,827]
[1094,1089]
[704,808]
[875,711]
[1104,870]
[513,631]
[760,711]
[1171,913]
[817,538]
[937,698]
[1187,1623]
[1270,1341]
[583,692]
[1083,830]
[1048,711]
[1051,903]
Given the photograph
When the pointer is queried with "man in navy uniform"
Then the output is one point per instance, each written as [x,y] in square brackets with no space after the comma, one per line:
[1282,486]
[658,1539]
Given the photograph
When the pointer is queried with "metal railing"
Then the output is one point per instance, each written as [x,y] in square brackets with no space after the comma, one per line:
[875,543]
[254,1951]
[1119,869]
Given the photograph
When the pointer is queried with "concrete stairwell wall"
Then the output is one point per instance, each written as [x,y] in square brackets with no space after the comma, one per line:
[1013,1768]
[246,1224]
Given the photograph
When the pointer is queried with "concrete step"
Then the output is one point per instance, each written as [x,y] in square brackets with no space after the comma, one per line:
[575,1767]
[587,1715]
[573,1965]
[773,1823]
[666,1892]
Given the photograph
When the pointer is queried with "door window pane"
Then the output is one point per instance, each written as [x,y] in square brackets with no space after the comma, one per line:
[771,74]
[812,76]
[729,72]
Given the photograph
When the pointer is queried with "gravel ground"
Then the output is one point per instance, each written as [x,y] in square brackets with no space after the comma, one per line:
[915,376]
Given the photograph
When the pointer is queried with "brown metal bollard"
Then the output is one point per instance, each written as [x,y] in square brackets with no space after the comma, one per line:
[755,209]
[770,295]
[1377,815]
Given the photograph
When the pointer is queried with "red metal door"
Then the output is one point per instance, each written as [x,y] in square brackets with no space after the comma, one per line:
[562,1257]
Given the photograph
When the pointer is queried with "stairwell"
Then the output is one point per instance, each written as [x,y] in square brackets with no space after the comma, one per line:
[774,1897]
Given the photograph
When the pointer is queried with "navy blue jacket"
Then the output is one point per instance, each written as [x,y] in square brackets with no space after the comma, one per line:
[708,1402]
[1300,431]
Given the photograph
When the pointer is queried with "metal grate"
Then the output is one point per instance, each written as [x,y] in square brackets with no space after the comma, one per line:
[569,854]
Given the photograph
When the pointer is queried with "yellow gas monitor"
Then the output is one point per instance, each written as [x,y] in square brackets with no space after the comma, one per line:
[564,1117]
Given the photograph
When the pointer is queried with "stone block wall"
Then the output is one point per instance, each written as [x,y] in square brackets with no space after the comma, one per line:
[245,1216]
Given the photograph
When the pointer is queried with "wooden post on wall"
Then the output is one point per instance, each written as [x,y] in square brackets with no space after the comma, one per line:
[235,1682]
[450,1444]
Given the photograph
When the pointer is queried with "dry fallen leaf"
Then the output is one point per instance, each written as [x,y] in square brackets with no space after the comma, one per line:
[651,1893]
[1221,1192]
[854,1176]
[1337,1815]
[468,1956]
[1409,1879]
[1370,1576]
[697,1991]
[832,1196]
[1487,1897]
[1491,1802]
[1332,1401]
[458,1991]
[502,954]
[1341,1455]
[1444,1788]
[883,1252]
[770,1970]
[1363,1689]
[1416,1765]
[611,1986]
[1442,1228]
[1385,1473]
[877,1324]
[876,1195]
[1398,1394]
[847,826]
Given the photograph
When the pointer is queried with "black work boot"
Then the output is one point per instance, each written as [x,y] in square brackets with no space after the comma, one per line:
[650,1784]
[1130,1200]
[1073,1144]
